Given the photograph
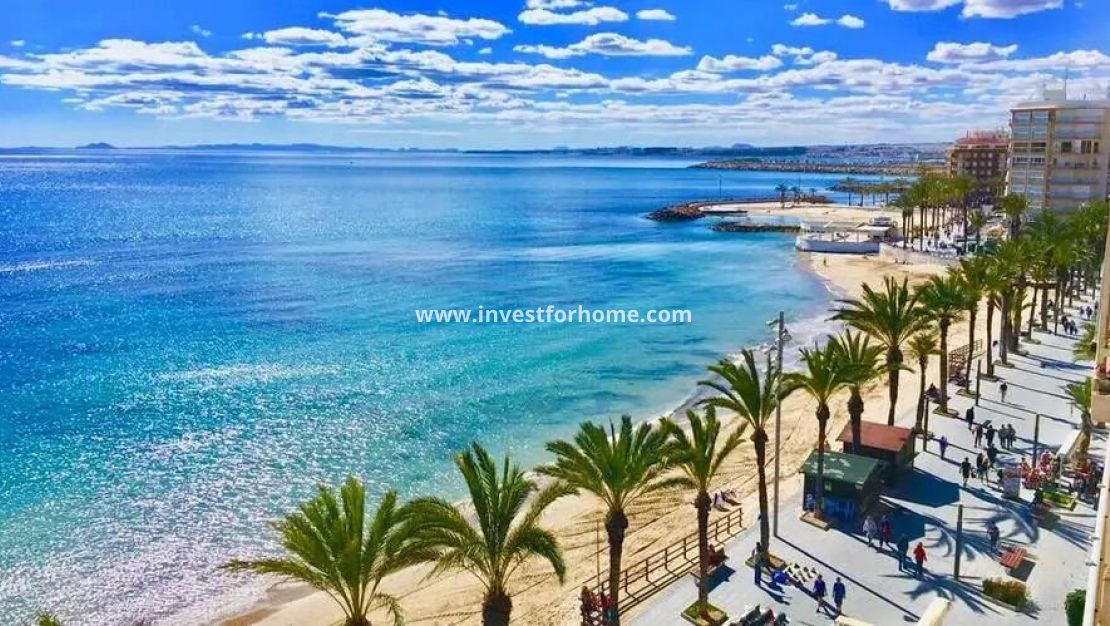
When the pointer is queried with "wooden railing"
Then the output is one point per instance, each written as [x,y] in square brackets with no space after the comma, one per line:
[958,358]
[660,568]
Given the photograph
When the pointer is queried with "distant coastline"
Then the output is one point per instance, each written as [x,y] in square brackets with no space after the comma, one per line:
[862,169]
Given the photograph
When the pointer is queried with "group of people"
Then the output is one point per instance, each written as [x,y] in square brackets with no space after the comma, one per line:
[819,591]
[882,532]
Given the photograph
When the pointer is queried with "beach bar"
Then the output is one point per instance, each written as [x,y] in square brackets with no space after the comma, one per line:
[852,484]
[893,445]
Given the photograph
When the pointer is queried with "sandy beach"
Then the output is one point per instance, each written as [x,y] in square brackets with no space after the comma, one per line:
[655,522]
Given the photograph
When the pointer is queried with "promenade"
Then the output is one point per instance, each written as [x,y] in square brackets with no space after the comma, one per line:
[924,506]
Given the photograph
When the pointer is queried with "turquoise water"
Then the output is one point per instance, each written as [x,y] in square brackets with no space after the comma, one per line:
[191,341]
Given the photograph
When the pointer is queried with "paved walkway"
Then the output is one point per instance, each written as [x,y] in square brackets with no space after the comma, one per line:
[926,505]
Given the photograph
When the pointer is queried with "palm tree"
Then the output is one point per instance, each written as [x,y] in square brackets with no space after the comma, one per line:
[943,299]
[891,317]
[504,534]
[1080,395]
[1085,348]
[754,399]
[618,466]
[822,377]
[796,192]
[333,547]
[976,221]
[974,273]
[1014,206]
[47,619]
[782,189]
[862,363]
[922,346]
[699,456]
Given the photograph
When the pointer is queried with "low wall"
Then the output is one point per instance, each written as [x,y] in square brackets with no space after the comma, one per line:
[898,254]
[806,244]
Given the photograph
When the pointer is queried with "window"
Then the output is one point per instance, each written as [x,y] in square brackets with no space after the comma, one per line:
[1065,146]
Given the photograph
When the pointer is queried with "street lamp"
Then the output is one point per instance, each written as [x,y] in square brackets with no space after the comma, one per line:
[781,336]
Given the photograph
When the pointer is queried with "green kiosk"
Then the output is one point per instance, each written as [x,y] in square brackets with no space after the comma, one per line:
[852,484]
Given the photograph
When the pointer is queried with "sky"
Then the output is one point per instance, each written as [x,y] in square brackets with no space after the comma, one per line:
[535,73]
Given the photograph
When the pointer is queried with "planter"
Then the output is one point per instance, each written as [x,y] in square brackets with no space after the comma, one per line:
[713,617]
[1009,593]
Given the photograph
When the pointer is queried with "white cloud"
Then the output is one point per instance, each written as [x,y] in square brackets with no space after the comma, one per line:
[587,17]
[608,44]
[196,29]
[809,19]
[486,50]
[17,43]
[951,52]
[733,63]
[661,15]
[999,9]
[299,36]
[790,7]
[850,21]
[812,19]
[780,49]
[434,30]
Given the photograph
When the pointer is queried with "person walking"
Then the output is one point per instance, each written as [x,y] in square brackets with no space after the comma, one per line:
[757,563]
[978,435]
[870,529]
[992,455]
[1002,389]
[969,417]
[919,558]
[980,466]
[992,534]
[886,532]
[839,591]
[819,592]
[965,470]
[903,551]
[990,435]
[943,445]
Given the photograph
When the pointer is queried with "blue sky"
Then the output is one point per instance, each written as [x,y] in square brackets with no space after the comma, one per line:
[535,73]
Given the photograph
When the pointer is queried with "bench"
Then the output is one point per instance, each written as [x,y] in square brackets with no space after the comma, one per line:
[1012,557]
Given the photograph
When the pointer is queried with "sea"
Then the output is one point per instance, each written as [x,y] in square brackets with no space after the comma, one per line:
[191,341]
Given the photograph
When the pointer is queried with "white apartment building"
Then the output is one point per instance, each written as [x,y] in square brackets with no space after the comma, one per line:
[1059,151]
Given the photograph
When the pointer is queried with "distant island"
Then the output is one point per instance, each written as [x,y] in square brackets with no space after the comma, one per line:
[97,146]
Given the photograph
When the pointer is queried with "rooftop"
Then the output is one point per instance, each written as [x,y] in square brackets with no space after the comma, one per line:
[844,467]
[879,436]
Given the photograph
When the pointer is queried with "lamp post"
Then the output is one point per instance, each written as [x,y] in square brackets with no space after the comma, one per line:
[780,337]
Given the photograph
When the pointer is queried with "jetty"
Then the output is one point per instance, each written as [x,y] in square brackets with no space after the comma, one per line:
[737,226]
[863,169]
[723,207]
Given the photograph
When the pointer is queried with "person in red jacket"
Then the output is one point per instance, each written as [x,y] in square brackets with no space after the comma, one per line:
[919,558]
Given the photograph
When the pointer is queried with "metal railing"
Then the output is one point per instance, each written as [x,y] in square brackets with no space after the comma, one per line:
[660,568]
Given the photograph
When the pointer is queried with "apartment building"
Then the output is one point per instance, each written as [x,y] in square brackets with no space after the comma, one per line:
[1059,151]
[982,155]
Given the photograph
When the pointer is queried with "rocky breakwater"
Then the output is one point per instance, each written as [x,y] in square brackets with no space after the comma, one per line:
[727,226]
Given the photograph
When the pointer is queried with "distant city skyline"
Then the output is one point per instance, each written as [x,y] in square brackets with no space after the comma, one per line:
[535,73]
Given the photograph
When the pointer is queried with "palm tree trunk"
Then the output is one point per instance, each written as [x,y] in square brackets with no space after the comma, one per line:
[918,426]
[615,527]
[894,362]
[496,608]
[759,439]
[973,313]
[1015,329]
[702,504]
[1044,309]
[1004,328]
[943,364]
[990,338]
[822,424]
[856,417]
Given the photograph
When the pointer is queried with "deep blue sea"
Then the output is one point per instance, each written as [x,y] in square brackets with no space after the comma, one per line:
[190,341]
